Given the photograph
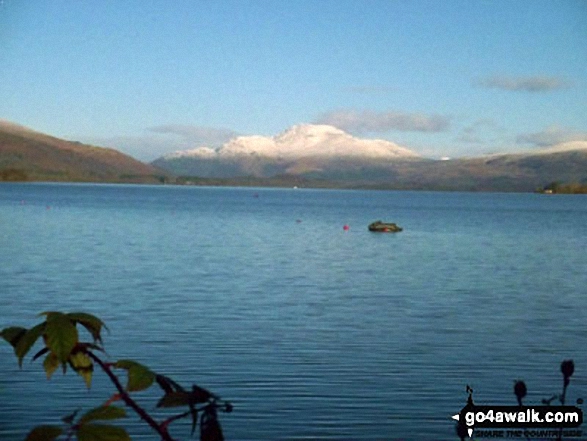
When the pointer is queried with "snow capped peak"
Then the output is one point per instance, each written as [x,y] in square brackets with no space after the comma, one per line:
[303,141]
[313,140]
[248,145]
[566,146]
[310,130]
[202,152]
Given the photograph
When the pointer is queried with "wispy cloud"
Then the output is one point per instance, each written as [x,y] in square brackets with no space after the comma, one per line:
[469,138]
[209,136]
[144,148]
[160,140]
[479,131]
[367,121]
[551,136]
[524,84]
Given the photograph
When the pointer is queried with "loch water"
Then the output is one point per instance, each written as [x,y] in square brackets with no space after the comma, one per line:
[312,331]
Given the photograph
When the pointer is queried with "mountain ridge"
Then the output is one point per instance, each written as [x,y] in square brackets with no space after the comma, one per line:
[302,140]
[26,154]
[29,155]
[320,152]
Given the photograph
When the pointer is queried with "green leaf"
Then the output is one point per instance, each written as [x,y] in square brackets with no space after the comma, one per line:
[60,335]
[50,364]
[26,342]
[92,323]
[12,334]
[174,399]
[83,365]
[44,433]
[139,377]
[80,360]
[101,432]
[103,413]
[125,364]
[86,374]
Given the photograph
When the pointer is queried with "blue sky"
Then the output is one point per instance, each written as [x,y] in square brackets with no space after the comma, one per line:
[443,78]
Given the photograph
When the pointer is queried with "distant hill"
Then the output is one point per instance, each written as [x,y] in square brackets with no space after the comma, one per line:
[303,149]
[322,155]
[305,155]
[29,155]
[511,172]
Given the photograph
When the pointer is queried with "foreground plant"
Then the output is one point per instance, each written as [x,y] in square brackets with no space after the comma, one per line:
[63,348]
[567,368]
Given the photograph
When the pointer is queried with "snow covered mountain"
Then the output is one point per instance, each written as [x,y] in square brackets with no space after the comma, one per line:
[327,153]
[569,146]
[300,149]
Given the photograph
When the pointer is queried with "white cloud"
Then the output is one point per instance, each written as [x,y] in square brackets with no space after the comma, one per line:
[524,84]
[469,138]
[368,121]
[143,148]
[196,134]
[164,139]
[551,136]
[480,132]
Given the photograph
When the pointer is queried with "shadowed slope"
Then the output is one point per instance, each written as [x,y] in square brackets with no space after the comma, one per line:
[29,155]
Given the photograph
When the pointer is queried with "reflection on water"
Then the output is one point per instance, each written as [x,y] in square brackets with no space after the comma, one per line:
[311,331]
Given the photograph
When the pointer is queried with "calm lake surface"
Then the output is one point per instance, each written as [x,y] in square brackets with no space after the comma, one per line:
[312,332]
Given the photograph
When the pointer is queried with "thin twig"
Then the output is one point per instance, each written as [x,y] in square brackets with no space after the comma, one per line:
[165,436]
[169,420]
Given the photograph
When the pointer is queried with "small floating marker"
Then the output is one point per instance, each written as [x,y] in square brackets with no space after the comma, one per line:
[346,227]
[298,221]
[48,207]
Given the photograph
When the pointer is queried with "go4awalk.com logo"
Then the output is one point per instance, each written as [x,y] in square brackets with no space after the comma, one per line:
[518,421]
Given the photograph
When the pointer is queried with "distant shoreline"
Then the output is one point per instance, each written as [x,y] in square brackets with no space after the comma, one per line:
[300,183]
